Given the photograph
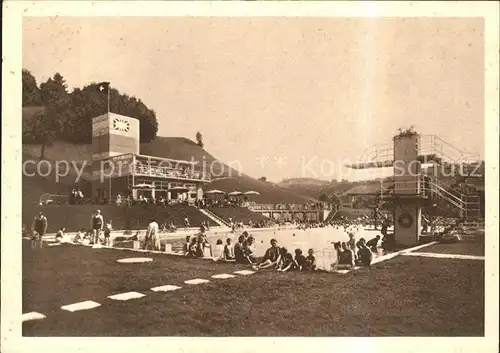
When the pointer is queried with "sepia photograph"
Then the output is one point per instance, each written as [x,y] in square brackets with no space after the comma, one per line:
[254,176]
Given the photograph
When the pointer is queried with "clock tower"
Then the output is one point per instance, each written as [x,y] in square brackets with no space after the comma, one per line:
[113,135]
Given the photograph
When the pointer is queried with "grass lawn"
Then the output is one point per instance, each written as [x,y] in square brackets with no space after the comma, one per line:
[464,248]
[401,297]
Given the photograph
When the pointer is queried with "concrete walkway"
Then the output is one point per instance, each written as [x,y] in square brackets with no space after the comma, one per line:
[444,256]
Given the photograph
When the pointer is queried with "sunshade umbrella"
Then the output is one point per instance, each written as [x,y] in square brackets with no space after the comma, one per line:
[215,192]
[235,193]
[251,193]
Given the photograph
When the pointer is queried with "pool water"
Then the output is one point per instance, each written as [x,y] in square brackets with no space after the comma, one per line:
[318,239]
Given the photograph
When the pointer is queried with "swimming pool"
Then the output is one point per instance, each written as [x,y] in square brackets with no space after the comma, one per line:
[318,239]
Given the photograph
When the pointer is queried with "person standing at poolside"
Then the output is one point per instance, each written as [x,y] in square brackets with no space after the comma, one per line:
[202,242]
[186,222]
[107,233]
[152,236]
[97,224]
[39,229]
[351,243]
[385,226]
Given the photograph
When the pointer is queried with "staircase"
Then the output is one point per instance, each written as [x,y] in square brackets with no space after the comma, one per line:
[432,150]
[331,216]
[215,218]
[468,204]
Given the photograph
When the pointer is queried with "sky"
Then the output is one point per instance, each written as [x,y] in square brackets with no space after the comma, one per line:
[280,97]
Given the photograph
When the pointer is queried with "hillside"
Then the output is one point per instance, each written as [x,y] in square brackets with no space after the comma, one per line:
[315,188]
[302,181]
[166,147]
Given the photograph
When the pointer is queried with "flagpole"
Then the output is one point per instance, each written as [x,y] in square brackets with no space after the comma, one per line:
[109,178]
[109,93]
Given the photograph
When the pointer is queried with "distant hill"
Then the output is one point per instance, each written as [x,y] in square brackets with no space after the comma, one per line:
[302,181]
[269,192]
[314,188]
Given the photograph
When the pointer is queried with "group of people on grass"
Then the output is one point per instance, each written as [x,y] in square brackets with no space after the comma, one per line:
[349,253]
[275,257]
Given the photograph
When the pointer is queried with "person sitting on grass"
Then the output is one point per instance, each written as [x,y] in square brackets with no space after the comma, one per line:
[193,246]
[300,260]
[372,243]
[60,235]
[271,257]
[240,254]
[286,261]
[186,246]
[365,255]
[248,248]
[345,259]
[78,239]
[218,254]
[228,251]
[310,261]
[86,238]
[337,246]
[360,242]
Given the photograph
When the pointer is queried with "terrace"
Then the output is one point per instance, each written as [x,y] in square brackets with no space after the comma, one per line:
[149,166]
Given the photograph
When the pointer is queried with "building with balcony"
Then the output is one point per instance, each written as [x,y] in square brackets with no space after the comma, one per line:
[119,169]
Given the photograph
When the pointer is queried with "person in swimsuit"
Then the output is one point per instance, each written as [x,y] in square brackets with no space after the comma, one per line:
[240,254]
[286,261]
[185,248]
[39,229]
[107,233]
[372,243]
[346,258]
[97,224]
[300,260]
[152,236]
[365,255]
[228,251]
[271,257]
[310,261]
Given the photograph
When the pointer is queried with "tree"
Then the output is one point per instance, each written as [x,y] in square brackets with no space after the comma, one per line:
[58,109]
[199,139]
[71,114]
[323,198]
[263,179]
[31,91]
[49,124]
[88,103]
[41,130]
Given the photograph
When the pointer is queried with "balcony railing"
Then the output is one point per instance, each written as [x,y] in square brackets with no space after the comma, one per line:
[289,207]
[170,173]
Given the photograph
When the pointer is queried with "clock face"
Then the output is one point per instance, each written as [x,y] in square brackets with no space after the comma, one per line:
[121,125]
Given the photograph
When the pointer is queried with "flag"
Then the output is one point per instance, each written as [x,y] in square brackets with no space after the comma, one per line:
[103,87]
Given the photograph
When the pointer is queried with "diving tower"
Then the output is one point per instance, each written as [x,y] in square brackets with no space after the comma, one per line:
[414,187]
